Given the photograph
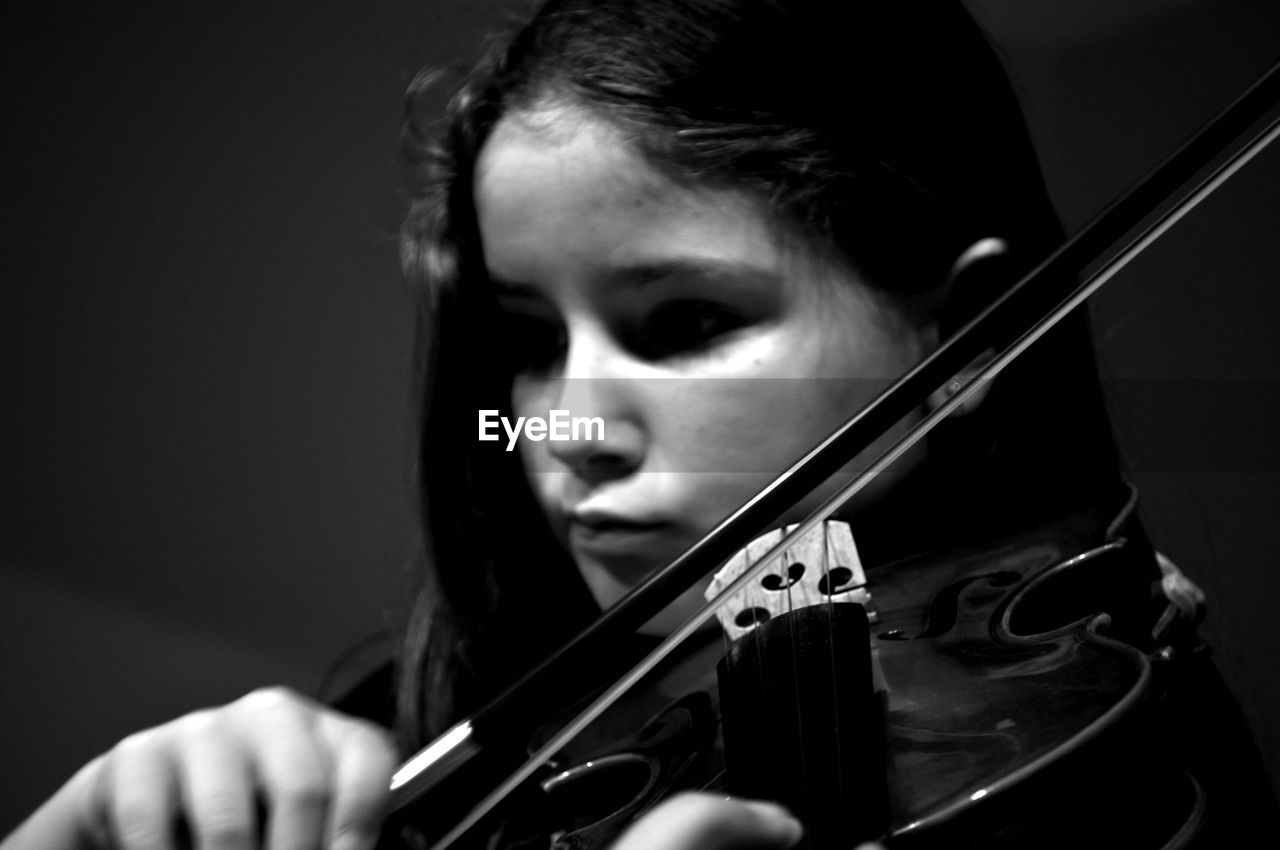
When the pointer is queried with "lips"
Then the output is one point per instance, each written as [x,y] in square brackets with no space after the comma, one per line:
[608,534]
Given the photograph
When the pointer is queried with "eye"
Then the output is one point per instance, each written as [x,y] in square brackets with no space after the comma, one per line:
[532,343]
[685,326]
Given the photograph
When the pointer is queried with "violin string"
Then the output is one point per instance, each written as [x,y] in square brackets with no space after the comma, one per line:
[930,421]
[836,727]
[757,670]
[793,646]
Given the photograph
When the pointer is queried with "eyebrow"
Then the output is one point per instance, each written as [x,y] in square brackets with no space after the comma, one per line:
[643,274]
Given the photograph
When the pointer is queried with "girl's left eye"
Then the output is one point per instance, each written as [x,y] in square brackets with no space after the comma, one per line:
[532,343]
[681,327]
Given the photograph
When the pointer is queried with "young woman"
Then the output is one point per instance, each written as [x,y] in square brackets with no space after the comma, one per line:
[719,226]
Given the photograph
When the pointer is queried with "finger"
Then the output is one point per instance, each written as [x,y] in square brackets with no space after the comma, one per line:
[363,761]
[217,785]
[291,765]
[690,821]
[135,795]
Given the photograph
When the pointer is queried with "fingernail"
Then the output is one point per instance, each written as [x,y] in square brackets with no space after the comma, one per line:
[778,820]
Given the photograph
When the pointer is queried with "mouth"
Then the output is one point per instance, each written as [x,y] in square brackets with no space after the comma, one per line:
[605,534]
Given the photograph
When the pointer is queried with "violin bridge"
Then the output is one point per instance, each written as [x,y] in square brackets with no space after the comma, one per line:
[821,567]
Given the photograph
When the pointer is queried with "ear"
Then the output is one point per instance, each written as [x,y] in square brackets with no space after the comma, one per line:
[973,276]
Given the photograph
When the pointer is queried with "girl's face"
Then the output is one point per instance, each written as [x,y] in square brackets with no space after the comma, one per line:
[714,349]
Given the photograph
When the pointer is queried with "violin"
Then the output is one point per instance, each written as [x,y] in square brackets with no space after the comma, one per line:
[945,709]
[943,719]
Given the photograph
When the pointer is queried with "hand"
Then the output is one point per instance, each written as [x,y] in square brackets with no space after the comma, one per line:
[709,822]
[272,770]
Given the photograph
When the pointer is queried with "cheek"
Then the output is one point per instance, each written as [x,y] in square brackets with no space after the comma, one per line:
[532,399]
[753,425]
[528,395]
[543,474]
[549,484]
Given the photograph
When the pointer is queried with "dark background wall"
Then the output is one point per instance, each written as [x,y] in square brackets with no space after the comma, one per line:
[204,342]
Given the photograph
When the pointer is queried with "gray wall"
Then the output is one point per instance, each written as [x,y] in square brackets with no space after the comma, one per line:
[204,339]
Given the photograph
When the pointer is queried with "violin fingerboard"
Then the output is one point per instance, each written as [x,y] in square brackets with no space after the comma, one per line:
[821,567]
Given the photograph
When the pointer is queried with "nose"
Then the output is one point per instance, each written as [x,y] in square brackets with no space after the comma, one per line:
[601,392]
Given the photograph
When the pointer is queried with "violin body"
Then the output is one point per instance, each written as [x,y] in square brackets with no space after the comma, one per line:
[1021,698]
[999,697]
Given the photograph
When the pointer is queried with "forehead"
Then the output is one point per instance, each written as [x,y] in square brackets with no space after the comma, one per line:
[557,186]
[568,149]
[563,149]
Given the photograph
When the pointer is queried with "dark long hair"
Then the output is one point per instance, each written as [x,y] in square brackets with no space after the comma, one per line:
[885,133]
